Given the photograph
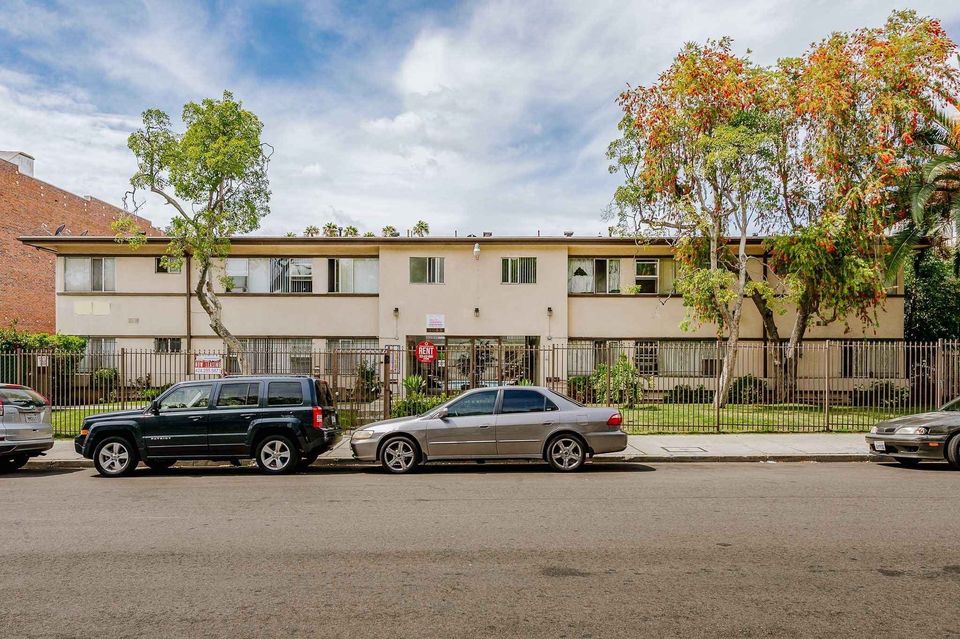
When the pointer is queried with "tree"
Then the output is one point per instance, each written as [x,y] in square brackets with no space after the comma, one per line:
[351,231]
[390,231]
[932,305]
[369,234]
[330,229]
[693,150]
[311,231]
[214,176]
[421,229]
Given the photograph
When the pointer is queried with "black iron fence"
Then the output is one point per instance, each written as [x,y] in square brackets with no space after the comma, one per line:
[660,386]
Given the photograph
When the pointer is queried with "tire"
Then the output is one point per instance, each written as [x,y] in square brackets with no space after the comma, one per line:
[566,453]
[308,460]
[399,455]
[908,462]
[159,465]
[10,464]
[953,452]
[115,457]
[277,455]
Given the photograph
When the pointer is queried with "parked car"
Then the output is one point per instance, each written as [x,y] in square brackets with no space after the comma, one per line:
[26,429]
[506,422]
[933,436]
[283,422]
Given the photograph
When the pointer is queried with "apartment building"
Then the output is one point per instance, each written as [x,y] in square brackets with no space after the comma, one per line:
[297,296]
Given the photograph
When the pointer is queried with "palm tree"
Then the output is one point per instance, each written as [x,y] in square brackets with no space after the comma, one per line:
[933,192]
[311,231]
[421,229]
[389,231]
[369,234]
[351,231]
[330,229]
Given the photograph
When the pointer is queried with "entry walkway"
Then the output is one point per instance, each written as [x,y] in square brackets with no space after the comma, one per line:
[650,448]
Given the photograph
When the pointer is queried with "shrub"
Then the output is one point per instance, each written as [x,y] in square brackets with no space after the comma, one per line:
[747,390]
[580,388]
[881,394]
[13,339]
[105,376]
[413,384]
[683,394]
[626,387]
[368,382]
[416,404]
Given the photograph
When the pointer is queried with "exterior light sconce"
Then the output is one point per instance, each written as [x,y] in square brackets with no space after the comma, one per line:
[476,311]
[549,311]
[396,311]
[476,251]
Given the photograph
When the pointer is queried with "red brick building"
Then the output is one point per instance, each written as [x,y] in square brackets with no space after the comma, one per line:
[29,206]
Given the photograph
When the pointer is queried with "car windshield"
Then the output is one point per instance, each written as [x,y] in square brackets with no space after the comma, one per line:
[954,405]
[22,397]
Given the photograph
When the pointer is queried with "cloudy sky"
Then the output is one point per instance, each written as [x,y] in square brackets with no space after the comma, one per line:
[475,116]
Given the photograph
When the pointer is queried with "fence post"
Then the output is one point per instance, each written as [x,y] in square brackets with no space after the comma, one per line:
[717,366]
[940,365]
[121,379]
[609,398]
[499,363]
[386,384]
[826,389]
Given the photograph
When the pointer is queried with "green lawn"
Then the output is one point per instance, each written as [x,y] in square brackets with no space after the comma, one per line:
[66,421]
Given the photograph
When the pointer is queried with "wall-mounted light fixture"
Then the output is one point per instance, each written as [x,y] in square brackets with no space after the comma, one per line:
[549,311]
[476,311]
[476,251]
[396,311]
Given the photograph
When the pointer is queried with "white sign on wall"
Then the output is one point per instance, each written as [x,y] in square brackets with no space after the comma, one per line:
[208,364]
[436,322]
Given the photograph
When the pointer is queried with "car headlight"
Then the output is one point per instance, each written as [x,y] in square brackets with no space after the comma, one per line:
[362,434]
[873,431]
[912,430]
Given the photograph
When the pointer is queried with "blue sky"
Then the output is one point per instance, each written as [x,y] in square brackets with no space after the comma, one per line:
[475,116]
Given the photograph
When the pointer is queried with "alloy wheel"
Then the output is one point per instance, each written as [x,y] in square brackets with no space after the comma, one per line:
[566,453]
[114,457]
[399,456]
[275,455]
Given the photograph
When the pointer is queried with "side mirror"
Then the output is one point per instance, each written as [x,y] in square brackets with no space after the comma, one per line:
[154,408]
[442,413]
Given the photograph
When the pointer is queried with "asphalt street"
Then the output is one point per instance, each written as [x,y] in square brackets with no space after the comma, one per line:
[619,550]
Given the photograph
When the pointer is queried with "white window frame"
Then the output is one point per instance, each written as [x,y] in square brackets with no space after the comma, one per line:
[291,275]
[594,265]
[655,278]
[165,344]
[434,270]
[518,270]
[236,268]
[343,274]
[105,283]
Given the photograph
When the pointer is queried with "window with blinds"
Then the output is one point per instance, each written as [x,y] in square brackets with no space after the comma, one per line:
[518,270]
[426,270]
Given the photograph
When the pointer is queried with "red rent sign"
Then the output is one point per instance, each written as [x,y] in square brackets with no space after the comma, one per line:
[426,352]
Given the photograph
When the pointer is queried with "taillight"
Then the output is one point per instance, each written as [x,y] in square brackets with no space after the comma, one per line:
[1,407]
[615,420]
[317,417]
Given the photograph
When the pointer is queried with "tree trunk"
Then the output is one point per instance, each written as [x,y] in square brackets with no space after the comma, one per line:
[214,309]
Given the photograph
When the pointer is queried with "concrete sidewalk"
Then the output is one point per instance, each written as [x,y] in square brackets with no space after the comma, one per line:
[649,448]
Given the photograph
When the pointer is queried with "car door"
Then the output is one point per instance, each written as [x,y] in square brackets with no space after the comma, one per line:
[234,407]
[468,430]
[525,418]
[179,429]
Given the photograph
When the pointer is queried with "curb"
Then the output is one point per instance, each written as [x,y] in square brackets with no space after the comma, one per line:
[80,464]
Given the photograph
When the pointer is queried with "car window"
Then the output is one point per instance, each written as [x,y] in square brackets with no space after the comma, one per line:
[197,396]
[324,394]
[954,405]
[239,394]
[565,398]
[481,403]
[284,394]
[22,397]
[525,401]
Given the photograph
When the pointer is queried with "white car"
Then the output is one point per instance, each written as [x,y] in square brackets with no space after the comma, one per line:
[26,429]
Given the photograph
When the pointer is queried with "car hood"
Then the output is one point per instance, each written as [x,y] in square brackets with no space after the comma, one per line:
[933,418]
[119,414]
[388,425]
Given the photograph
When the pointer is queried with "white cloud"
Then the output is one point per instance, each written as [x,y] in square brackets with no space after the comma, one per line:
[494,118]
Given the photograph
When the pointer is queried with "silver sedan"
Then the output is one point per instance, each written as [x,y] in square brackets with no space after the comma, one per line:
[508,422]
[25,427]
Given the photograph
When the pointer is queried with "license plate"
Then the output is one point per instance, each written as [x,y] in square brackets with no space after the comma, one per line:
[32,418]
[879,446]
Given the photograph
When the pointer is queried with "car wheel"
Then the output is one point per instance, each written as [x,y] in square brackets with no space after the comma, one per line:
[115,457]
[909,462]
[566,453]
[10,464]
[158,465]
[953,452]
[399,455]
[276,455]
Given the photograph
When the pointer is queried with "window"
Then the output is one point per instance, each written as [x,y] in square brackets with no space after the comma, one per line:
[239,394]
[275,355]
[101,353]
[193,396]
[480,403]
[352,275]
[518,270]
[89,273]
[686,359]
[238,270]
[284,394]
[426,270]
[160,268]
[167,344]
[291,275]
[874,360]
[593,275]
[645,357]
[525,401]
[647,276]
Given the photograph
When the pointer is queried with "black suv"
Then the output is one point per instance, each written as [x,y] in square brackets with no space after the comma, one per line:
[284,422]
